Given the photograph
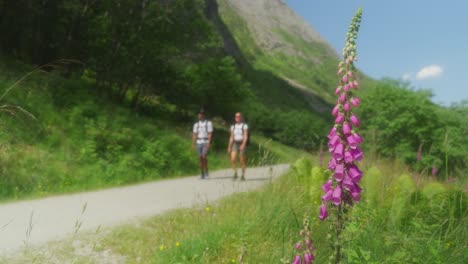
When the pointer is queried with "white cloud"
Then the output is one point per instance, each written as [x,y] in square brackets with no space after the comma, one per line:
[429,72]
[407,77]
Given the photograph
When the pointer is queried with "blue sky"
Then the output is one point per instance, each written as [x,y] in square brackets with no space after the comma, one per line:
[425,42]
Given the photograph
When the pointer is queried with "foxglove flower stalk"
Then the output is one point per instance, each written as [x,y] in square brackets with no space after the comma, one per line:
[343,186]
[304,249]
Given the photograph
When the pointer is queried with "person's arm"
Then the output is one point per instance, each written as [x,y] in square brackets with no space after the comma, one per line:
[194,135]
[244,141]
[231,140]
[210,133]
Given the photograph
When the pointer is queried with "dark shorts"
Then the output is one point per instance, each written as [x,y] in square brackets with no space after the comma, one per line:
[202,149]
[236,148]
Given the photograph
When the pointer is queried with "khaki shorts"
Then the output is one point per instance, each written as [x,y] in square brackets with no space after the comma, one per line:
[236,148]
[202,149]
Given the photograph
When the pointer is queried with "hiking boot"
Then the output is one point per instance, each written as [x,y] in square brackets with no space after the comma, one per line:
[235,176]
[242,178]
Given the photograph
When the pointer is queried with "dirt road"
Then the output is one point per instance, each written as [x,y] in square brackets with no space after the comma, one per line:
[38,221]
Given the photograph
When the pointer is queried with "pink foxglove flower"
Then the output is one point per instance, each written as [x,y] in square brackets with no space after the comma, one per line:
[346,107]
[339,172]
[354,173]
[348,157]
[356,84]
[332,133]
[297,260]
[333,142]
[357,137]
[342,98]
[324,212]
[343,188]
[356,153]
[336,196]
[355,120]
[337,90]
[338,152]
[332,164]
[346,128]
[355,101]
[339,119]
[351,140]
[335,110]
[327,186]
[308,258]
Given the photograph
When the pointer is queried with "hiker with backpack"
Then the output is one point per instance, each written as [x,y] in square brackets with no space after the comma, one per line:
[238,142]
[201,139]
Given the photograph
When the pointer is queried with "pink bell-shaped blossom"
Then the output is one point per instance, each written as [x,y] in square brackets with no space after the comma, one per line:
[357,137]
[348,158]
[327,196]
[323,212]
[346,87]
[345,79]
[337,90]
[308,258]
[332,164]
[339,172]
[351,140]
[348,184]
[357,154]
[339,119]
[354,173]
[327,186]
[297,260]
[335,110]
[297,246]
[338,152]
[342,98]
[336,196]
[332,133]
[333,143]
[356,84]
[355,101]
[346,107]
[355,120]
[346,128]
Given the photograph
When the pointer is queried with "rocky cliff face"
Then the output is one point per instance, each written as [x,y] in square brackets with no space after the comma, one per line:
[267,18]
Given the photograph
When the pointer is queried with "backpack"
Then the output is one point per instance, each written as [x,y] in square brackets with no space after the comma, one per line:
[205,127]
[248,133]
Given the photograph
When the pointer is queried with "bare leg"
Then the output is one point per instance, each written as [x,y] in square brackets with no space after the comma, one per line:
[242,160]
[202,165]
[233,163]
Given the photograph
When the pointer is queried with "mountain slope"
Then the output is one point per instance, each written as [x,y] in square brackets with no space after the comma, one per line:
[273,38]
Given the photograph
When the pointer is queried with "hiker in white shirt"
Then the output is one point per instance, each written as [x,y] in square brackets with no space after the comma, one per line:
[238,143]
[201,139]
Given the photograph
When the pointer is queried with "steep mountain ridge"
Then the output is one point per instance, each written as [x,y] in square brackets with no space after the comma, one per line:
[273,38]
[266,18]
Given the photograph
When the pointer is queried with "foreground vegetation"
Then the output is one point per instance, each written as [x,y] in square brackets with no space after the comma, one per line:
[403,217]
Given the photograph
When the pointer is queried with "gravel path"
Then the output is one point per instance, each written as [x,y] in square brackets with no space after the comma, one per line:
[39,221]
